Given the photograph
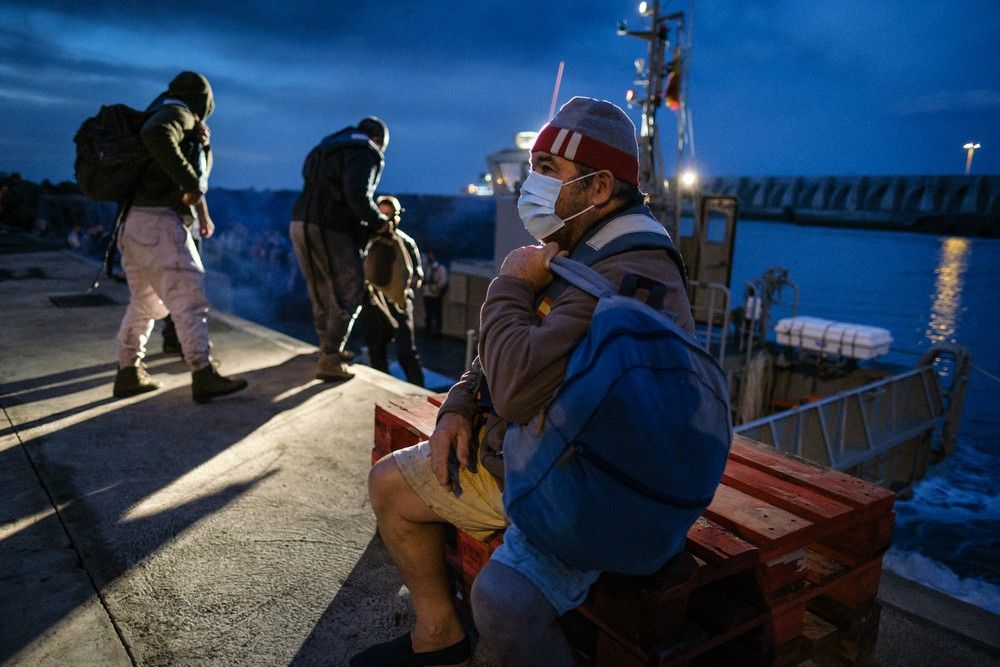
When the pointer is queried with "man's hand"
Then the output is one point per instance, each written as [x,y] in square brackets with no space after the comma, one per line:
[531,262]
[203,133]
[191,198]
[451,433]
[205,226]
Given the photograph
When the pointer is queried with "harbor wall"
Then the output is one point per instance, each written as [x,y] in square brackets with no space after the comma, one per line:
[964,205]
[967,205]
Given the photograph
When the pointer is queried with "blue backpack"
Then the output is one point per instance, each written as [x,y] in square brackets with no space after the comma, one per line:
[632,447]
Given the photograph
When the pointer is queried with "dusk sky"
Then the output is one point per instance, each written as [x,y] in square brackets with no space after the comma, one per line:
[776,86]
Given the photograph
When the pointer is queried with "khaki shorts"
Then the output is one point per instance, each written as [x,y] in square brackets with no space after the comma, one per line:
[478,510]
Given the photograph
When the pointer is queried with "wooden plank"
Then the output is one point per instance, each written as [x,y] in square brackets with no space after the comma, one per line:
[869,498]
[783,575]
[390,432]
[412,414]
[437,399]
[858,588]
[773,530]
[650,609]
[859,543]
[418,413]
[786,624]
[829,515]
[853,588]
[816,633]
[719,547]
[821,569]
[857,631]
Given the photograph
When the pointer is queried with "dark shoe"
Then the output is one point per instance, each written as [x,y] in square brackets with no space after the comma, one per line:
[132,381]
[347,356]
[331,368]
[399,653]
[206,384]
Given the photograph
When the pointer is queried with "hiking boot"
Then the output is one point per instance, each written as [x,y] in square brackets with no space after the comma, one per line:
[331,368]
[132,381]
[206,384]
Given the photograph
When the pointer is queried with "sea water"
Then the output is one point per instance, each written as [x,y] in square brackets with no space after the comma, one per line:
[924,289]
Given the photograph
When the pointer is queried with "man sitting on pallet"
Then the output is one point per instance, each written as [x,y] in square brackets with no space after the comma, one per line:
[581,197]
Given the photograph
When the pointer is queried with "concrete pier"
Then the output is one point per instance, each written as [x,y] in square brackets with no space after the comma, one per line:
[155,531]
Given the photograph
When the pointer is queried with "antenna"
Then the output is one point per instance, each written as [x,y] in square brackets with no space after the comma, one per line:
[555,91]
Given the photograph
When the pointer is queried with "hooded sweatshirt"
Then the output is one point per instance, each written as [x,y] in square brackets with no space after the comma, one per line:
[341,175]
[180,163]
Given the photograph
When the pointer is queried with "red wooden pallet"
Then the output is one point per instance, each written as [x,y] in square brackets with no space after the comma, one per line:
[782,544]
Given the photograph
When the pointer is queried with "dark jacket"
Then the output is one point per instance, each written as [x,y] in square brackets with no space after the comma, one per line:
[341,175]
[180,163]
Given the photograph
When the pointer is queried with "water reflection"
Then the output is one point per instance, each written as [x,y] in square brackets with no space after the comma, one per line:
[948,290]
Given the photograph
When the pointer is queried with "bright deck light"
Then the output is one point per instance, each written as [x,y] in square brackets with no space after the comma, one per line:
[689,178]
[525,140]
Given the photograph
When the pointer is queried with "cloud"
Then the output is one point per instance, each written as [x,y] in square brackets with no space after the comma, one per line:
[26,96]
[455,82]
[981,99]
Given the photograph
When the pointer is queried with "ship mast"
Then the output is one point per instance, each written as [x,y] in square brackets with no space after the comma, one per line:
[661,79]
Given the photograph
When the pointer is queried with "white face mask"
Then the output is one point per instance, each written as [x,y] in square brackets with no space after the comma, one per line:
[537,204]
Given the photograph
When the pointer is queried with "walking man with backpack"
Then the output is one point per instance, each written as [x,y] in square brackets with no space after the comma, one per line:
[581,199]
[162,265]
[332,222]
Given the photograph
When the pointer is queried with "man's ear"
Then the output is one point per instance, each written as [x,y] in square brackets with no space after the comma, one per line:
[603,188]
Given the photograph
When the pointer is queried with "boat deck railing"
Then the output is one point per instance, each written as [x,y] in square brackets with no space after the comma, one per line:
[886,431]
[710,307]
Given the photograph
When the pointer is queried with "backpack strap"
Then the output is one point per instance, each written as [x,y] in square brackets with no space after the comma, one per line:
[582,277]
[635,230]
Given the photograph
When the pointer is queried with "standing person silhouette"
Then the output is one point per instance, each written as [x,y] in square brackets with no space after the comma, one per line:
[332,221]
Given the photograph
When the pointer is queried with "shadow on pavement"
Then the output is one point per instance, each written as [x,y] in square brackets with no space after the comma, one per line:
[100,470]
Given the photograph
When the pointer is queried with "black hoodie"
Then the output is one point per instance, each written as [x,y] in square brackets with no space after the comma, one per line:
[169,134]
[341,175]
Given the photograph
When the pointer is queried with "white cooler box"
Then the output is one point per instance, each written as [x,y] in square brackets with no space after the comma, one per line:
[855,341]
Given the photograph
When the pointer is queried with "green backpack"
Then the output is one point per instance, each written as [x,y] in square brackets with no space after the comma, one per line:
[110,154]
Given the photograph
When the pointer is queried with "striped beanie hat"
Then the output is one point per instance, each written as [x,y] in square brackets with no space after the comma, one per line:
[594,133]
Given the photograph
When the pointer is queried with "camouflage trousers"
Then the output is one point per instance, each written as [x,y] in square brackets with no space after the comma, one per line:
[331,265]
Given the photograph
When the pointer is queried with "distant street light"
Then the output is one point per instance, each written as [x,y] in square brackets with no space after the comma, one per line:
[971,147]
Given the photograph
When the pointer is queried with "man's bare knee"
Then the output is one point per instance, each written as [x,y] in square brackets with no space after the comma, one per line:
[384,480]
[392,495]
